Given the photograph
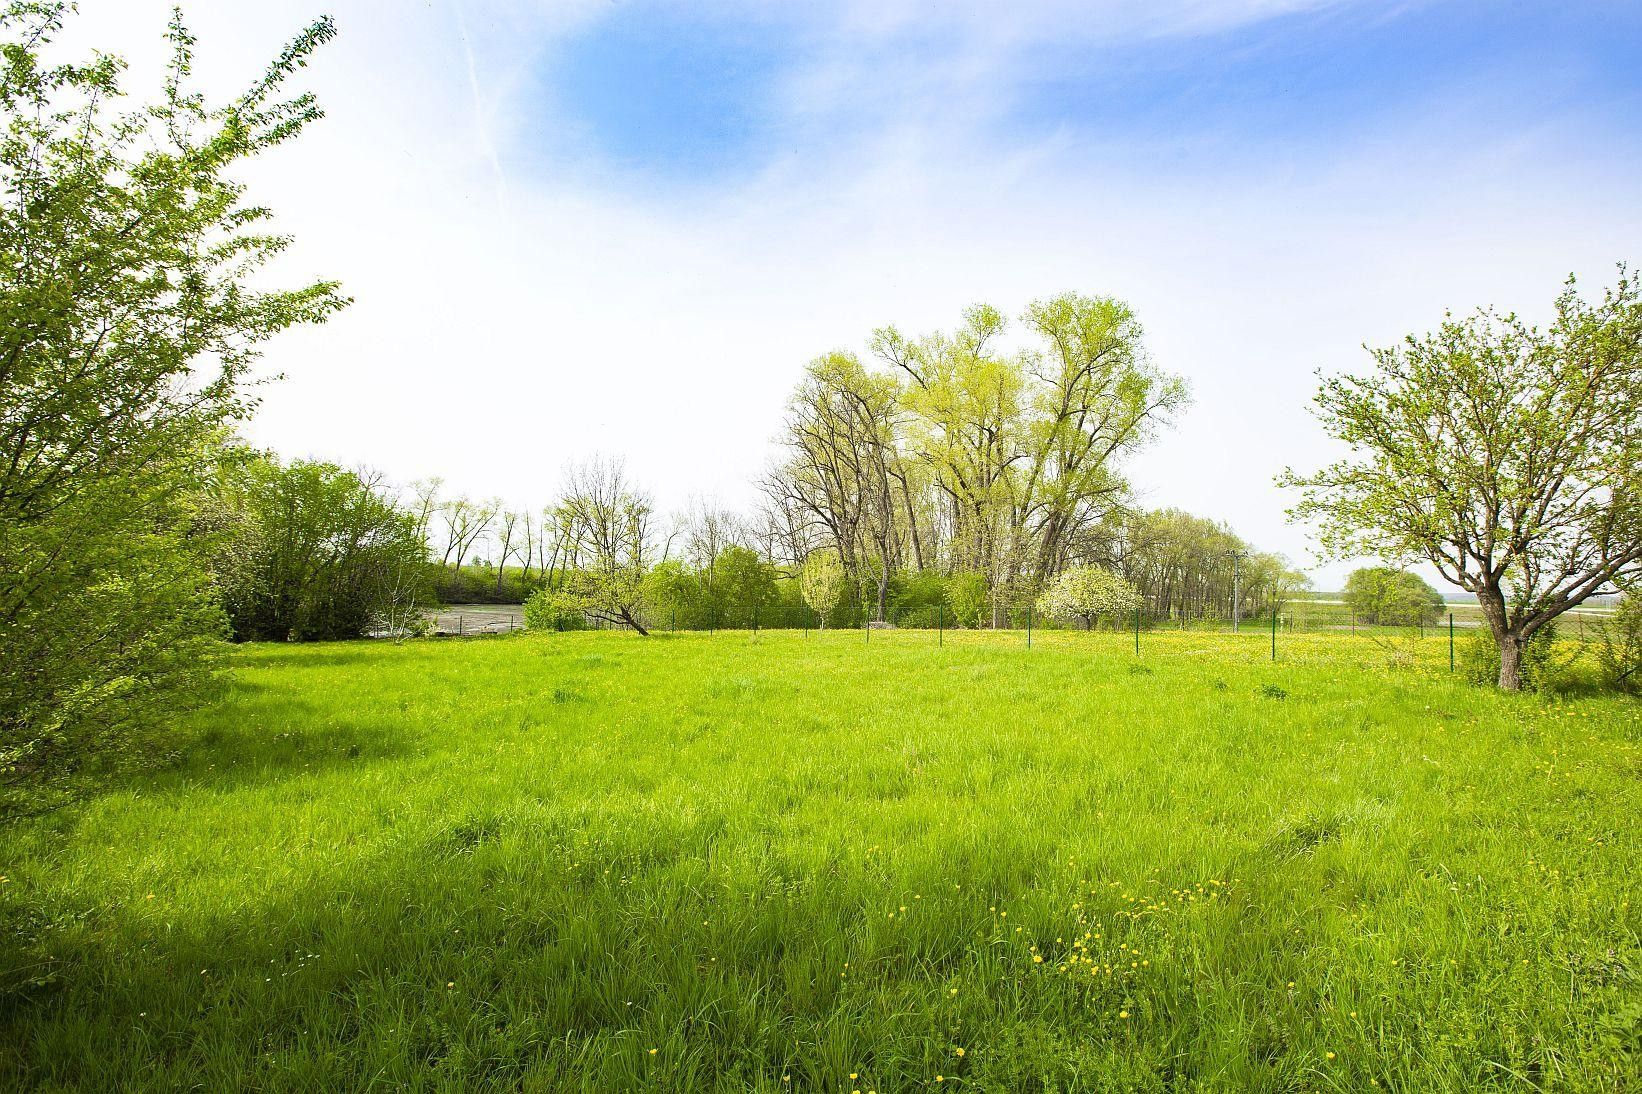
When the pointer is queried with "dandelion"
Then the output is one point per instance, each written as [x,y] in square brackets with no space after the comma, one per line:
[1330,1055]
[1123,1014]
[653,1052]
[959,1052]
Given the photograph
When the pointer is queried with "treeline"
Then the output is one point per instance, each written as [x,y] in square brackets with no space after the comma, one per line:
[709,565]
[949,462]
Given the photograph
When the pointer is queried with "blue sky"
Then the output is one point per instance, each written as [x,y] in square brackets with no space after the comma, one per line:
[577,226]
[692,95]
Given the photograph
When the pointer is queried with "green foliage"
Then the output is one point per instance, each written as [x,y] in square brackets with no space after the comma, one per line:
[605,522]
[1383,596]
[968,595]
[1619,646]
[480,583]
[131,309]
[741,581]
[1478,660]
[111,624]
[550,609]
[958,455]
[320,553]
[1380,866]
[1089,594]
[823,582]
[1507,456]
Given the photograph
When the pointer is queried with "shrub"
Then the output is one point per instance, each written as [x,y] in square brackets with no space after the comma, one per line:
[551,610]
[1619,648]
[966,594]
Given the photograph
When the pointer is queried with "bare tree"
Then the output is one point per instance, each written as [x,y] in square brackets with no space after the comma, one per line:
[424,504]
[465,522]
[608,549]
[507,537]
[527,545]
[709,528]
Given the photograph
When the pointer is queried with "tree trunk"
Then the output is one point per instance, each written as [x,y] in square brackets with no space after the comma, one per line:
[1510,662]
[628,618]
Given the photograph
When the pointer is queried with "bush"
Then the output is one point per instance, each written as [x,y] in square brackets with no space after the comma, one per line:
[110,624]
[550,610]
[966,593]
[1619,649]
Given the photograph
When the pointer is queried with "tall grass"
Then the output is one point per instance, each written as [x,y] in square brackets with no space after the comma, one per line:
[599,862]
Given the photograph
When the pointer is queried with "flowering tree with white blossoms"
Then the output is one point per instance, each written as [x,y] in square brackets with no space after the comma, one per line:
[1088,593]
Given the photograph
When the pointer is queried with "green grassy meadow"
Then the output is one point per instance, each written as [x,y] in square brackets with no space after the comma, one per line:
[808,862]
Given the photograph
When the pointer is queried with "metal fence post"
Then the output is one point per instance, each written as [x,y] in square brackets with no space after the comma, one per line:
[458,626]
[1450,641]
[1137,630]
[755,618]
[1029,626]
[940,626]
[1274,632]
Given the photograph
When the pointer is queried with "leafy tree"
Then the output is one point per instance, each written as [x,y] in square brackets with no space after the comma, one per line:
[1505,455]
[1383,595]
[330,555]
[1090,594]
[823,581]
[131,309]
[741,581]
[959,456]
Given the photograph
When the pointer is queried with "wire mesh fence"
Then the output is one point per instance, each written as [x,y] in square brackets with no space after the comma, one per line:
[1437,635]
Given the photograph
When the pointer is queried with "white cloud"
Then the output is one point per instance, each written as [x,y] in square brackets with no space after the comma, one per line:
[495,340]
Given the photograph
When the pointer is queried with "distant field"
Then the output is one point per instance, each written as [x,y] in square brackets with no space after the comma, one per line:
[845,861]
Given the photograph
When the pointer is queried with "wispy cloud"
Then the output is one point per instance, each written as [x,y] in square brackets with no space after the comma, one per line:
[1271,184]
[481,121]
